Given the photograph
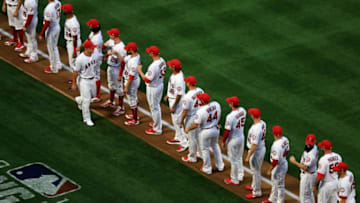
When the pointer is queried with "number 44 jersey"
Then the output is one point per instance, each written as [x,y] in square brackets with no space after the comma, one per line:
[208,116]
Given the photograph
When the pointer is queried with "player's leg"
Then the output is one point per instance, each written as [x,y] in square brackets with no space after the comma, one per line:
[333,192]
[19,25]
[10,12]
[197,138]
[281,183]
[219,163]
[274,186]
[32,40]
[323,194]
[133,103]
[192,139]
[120,91]
[157,95]
[233,148]
[112,85]
[49,45]
[241,166]
[205,137]
[56,50]
[70,52]
[97,98]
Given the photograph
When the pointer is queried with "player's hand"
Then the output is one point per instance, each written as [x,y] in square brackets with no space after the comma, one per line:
[314,189]
[247,158]
[40,37]
[269,171]
[119,78]
[223,146]
[78,49]
[186,130]
[126,90]
[292,159]
[172,110]
[166,98]
[16,13]
[24,29]
[4,8]
[139,68]
[74,87]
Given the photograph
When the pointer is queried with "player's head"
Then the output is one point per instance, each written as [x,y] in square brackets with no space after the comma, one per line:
[94,25]
[341,168]
[255,113]
[153,51]
[190,81]
[325,145]
[277,132]
[89,47]
[131,47]
[310,142]
[204,98]
[67,9]
[175,65]
[113,33]
[233,102]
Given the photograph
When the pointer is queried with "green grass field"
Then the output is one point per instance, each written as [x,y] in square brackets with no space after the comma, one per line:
[41,125]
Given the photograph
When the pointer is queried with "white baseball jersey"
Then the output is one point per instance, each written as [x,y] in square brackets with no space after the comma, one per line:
[97,39]
[208,116]
[191,102]
[235,122]
[86,65]
[156,73]
[113,60]
[326,164]
[12,2]
[30,8]
[346,186]
[310,159]
[256,135]
[176,85]
[130,66]
[52,13]
[72,28]
[279,150]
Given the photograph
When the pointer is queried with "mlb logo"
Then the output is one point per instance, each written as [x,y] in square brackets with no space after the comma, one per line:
[44,180]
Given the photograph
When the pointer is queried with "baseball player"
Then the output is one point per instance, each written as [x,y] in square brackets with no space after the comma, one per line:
[31,20]
[326,174]
[175,93]
[255,157]
[154,80]
[15,15]
[71,34]
[308,167]
[207,119]
[115,56]
[346,185]
[190,106]
[51,31]
[85,68]
[233,140]
[279,166]
[132,82]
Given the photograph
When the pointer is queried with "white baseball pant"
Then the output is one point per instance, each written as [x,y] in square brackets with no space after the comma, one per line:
[17,22]
[52,37]
[307,180]
[31,47]
[328,192]
[154,95]
[255,162]
[235,148]
[70,51]
[98,70]
[277,193]
[113,83]
[209,138]
[132,93]
[87,91]
[176,117]
[193,137]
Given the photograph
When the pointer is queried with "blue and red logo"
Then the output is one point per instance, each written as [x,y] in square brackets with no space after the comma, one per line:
[44,180]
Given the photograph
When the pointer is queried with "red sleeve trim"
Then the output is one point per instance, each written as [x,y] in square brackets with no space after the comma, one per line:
[147,80]
[103,46]
[342,197]
[46,25]
[131,77]
[320,176]
[28,20]
[274,163]
[226,135]
[122,66]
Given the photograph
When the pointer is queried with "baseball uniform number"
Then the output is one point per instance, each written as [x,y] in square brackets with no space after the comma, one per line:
[212,117]
[331,167]
[241,123]
[162,70]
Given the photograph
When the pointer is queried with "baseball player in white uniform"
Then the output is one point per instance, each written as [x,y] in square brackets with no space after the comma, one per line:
[346,186]
[326,175]
[255,157]
[154,80]
[132,82]
[71,34]
[51,31]
[115,56]
[233,140]
[279,166]
[207,119]
[308,167]
[175,93]
[190,106]
[31,20]
[15,15]
[85,68]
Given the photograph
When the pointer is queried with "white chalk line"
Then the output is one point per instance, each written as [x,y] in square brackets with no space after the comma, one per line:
[147,113]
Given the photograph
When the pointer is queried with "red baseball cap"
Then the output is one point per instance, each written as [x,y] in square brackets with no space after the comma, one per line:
[254,112]
[191,80]
[131,46]
[93,23]
[325,144]
[204,97]
[341,166]
[89,45]
[67,8]
[153,50]
[277,130]
[310,139]
[233,100]
[114,32]
[175,63]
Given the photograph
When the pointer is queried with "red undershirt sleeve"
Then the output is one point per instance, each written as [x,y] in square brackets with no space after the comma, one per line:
[147,80]
[28,20]
[342,197]
[226,135]
[46,25]
[131,77]
[274,163]
[320,176]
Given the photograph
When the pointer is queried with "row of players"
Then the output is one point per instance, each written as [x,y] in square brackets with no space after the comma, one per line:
[195,118]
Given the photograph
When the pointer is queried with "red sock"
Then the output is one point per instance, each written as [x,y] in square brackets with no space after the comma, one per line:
[134,112]
[112,95]
[14,33]
[121,101]
[21,36]
[98,84]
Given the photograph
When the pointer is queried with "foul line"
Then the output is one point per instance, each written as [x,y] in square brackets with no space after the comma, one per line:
[144,111]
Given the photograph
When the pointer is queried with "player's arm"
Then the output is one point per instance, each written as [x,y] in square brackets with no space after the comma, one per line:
[16,13]
[74,85]
[177,100]
[301,166]
[192,127]
[320,175]
[183,116]
[4,6]
[75,42]
[149,75]
[251,152]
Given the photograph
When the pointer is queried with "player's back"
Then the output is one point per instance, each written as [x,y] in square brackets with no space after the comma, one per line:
[191,102]
[31,8]
[130,66]
[256,135]
[210,115]
[97,39]
[280,150]
[52,13]
[326,165]
[157,68]
[235,122]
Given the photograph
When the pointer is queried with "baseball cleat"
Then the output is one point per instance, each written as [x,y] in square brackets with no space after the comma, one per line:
[95,99]
[23,55]
[19,46]
[119,110]
[29,60]
[266,201]
[187,159]
[107,104]
[173,141]
[89,123]
[241,178]
[252,196]
[202,170]
[181,149]
[151,131]
[70,81]
[130,116]
[132,122]
[10,42]
[151,124]
[48,70]
[198,155]
[248,187]
[229,181]
[79,107]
